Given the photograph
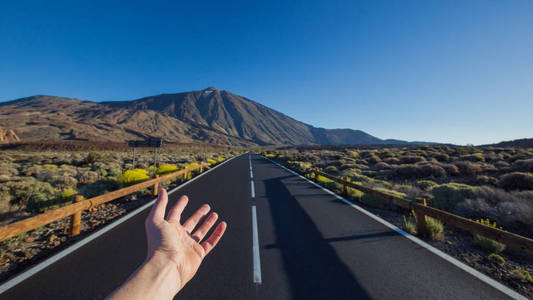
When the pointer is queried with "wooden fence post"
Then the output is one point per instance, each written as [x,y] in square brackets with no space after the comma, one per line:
[75,219]
[421,226]
[156,186]
[345,187]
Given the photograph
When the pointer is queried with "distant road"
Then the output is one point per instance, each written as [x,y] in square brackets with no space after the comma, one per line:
[286,239]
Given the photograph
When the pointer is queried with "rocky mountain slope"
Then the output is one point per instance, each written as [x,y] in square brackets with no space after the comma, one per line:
[209,115]
[8,136]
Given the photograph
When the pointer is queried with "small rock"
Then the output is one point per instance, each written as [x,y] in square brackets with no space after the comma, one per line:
[10,256]
[52,238]
[28,239]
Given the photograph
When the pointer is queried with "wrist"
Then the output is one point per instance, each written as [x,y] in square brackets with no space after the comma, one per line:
[164,274]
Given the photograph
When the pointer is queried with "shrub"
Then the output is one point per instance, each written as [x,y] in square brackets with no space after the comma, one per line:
[328,183]
[452,170]
[91,158]
[523,165]
[211,161]
[522,275]
[392,160]
[496,258]
[447,196]
[131,177]
[382,166]
[426,185]
[194,164]
[42,196]
[501,164]
[63,182]
[486,243]
[419,171]
[476,157]
[442,157]
[87,177]
[373,159]
[511,209]
[331,169]
[486,180]
[468,168]
[516,181]
[410,223]
[411,159]
[98,188]
[68,194]
[49,166]
[435,228]
[166,169]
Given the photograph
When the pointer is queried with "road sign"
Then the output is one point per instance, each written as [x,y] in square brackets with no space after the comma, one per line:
[148,143]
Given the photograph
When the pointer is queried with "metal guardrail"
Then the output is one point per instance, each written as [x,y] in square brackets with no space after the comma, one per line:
[80,205]
[419,207]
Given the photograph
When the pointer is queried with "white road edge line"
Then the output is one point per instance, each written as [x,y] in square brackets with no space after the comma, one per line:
[30,272]
[253,189]
[255,247]
[495,284]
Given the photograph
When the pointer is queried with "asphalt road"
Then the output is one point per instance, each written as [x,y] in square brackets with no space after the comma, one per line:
[309,245]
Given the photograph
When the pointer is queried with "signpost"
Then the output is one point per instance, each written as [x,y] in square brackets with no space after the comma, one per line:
[148,143]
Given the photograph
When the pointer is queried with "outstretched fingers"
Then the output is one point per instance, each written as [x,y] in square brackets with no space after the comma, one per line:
[157,214]
[196,217]
[213,239]
[175,212]
[202,230]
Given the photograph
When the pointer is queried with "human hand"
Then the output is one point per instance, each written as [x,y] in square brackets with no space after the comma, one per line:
[175,251]
[179,244]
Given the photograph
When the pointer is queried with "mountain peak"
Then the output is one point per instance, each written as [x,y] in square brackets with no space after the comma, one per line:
[210,115]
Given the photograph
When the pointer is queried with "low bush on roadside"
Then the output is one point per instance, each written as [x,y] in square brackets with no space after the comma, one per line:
[435,228]
[522,275]
[299,166]
[99,187]
[68,195]
[211,161]
[496,258]
[328,183]
[447,196]
[409,223]
[486,243]
[166,169]
[131,177]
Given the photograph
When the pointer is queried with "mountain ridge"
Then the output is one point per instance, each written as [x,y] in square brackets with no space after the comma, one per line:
[209,115]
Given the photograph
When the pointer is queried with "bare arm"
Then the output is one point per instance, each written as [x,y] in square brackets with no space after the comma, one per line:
[175,251]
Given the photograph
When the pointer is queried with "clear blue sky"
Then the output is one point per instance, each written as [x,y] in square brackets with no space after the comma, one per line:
[445,71]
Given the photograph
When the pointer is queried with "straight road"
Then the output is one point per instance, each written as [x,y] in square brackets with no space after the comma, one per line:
[286,239]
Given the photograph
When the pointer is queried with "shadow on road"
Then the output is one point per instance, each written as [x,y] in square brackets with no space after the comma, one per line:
[314,269]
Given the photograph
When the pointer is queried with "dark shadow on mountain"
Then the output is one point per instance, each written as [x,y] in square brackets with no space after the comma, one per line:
[312,266]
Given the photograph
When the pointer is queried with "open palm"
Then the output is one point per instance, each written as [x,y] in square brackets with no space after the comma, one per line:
[177,243]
